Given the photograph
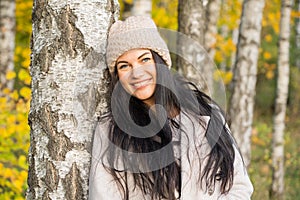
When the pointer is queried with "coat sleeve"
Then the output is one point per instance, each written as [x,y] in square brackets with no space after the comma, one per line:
[101,184]
[242,188]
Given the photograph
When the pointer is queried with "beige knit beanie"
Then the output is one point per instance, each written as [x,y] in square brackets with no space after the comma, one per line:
[135,32]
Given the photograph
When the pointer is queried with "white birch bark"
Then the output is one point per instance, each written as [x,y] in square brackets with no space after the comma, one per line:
[68,82]
[191,23]
[212,15]
[7,41]
[142,7]
[277,190]
[235,37]
[245,72]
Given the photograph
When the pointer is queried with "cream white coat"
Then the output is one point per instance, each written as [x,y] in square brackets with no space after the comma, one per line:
[103,187]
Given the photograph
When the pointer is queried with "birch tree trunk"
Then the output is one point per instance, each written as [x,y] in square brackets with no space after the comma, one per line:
[68,81]
[212,15]
[191,23]
[277,190]
[7,41]
[142,7]
[245,71]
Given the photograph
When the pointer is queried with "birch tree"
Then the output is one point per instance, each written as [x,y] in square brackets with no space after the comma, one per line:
[68,81]
[191,23]
[212,15]
[244,78]
[7,41]
[212,11]
[142,7]
[277,189]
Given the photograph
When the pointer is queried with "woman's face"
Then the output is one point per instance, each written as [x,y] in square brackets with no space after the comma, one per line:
[137,72]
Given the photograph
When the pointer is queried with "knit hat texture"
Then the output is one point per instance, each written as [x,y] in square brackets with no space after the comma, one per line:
[135,32]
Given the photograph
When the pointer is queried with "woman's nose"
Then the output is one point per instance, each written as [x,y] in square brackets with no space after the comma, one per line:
[137,72]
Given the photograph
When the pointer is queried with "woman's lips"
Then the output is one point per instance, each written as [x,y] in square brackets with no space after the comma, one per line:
[141,84]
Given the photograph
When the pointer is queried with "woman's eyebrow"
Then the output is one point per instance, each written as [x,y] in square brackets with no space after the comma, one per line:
[121,61]
[143,54]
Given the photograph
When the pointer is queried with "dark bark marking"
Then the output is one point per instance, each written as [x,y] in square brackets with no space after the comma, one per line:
[58,144]
[93,59]
[71,40]
[46,196]
[51,178]
[42,19]
[73,184]
[89,100]
[69,43]
[32,175]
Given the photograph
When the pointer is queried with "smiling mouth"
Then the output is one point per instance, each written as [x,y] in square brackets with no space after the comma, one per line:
[143,83]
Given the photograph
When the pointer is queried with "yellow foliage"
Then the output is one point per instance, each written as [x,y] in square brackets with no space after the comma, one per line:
[295,14]
[267,55]
[14,95]
[270,74]
[6,91]
[23,75]
[164,14]
[226,77]
[26,63]
[272,15]
[218,57]
[268,37]
[10,75]
[26,52]
[25,92]
[14,129]
[14,138]
[257,141]
[18,50]
[128,1]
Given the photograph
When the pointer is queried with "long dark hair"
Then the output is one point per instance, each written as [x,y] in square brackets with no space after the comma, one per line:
[174,95]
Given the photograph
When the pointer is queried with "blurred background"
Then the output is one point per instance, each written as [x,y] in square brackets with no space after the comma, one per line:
[15,88]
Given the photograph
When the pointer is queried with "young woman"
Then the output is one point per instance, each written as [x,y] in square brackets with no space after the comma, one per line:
[162,138]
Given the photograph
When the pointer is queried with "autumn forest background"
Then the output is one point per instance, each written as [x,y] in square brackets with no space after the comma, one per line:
[14,102]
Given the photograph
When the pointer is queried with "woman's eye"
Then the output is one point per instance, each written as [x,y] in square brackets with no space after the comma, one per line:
[122,66]
[145,59]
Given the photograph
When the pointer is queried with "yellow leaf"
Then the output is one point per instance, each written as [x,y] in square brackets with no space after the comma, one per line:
[11,119]
[128,1]
[264,22]
[228,77]
[18,184]
[218,75]
[8,173]
[14,95]
[295,14]
[268,38]
[269,74]
[6,91]
[3,100]
[276,28]
[26,53]
[23,75]
[10,75]
[26,63]
[22,162]
[267,55]
[25,92]
[18,50]
[218,57]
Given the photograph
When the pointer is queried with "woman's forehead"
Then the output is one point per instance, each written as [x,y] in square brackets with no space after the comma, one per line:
[134,53]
